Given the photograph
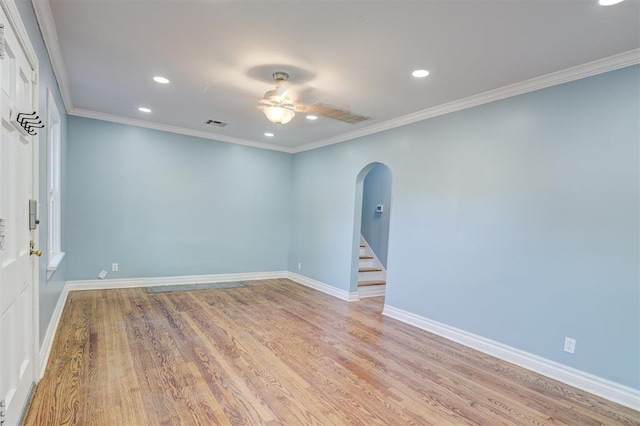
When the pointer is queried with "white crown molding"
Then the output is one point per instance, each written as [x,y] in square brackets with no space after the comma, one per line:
[589,69]
[175,129]
[44,17]
[47,24]
[612,391]
[325,288]
[47,343]
[178,280]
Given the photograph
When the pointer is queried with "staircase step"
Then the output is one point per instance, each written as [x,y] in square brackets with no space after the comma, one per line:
[371,282]
[369,269]
[365,256]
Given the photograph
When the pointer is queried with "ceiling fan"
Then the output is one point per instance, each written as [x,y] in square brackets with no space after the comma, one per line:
[280,109]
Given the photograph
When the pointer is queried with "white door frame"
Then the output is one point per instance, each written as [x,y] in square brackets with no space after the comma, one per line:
[11,11]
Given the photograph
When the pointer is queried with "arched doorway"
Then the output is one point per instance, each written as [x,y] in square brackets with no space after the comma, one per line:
[371,230]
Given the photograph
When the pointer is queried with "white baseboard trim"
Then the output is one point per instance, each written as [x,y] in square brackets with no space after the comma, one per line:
[372,291]
[612,391]
[47,343]
[325,288]
[194,279]
[181,280]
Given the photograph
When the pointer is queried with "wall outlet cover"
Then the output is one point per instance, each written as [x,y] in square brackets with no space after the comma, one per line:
[569,345]
[102,274]
[114,267]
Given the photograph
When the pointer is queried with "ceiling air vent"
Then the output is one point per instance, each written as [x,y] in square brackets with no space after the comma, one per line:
[215,123]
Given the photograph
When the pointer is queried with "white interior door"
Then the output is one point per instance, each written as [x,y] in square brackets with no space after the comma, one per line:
[17,267]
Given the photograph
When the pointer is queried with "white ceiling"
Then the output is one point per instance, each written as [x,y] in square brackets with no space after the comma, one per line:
[219,56]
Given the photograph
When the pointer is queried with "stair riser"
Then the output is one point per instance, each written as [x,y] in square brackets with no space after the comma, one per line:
[372,291]
[364,263]
[367,276]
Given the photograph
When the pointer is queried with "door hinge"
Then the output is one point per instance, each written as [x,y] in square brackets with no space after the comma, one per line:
[3,407]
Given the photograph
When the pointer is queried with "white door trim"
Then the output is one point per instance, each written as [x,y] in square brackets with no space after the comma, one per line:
[13,15]
[11,10]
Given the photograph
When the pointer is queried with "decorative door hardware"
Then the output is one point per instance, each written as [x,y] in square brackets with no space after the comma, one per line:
[32,251]
[30,122]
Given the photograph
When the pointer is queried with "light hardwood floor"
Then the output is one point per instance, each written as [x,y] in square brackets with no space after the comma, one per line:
[274,353]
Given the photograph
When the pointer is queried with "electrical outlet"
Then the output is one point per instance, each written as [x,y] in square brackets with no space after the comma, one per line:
[299,265]
[569,345]
[102,274]
[114,267]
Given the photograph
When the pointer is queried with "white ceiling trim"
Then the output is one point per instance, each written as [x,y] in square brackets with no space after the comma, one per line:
[589,69]
[175,129]
[50,36]
[47,25]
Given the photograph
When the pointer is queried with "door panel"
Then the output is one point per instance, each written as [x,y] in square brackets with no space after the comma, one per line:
[16,264]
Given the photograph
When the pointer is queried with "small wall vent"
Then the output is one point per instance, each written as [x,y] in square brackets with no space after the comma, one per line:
[215,123]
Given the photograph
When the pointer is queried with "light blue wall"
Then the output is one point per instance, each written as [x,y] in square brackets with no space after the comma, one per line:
[375,226]
[517,220]
[161,204]
[50,289]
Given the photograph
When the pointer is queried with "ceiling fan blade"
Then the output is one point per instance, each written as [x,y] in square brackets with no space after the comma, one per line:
[329,111]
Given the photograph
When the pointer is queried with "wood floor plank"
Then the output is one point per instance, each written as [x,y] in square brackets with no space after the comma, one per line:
[277,353]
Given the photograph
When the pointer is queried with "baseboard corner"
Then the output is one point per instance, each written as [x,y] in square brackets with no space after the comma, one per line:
[324,288]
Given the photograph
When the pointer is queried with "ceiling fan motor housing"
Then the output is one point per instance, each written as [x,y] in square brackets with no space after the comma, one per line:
[279,76]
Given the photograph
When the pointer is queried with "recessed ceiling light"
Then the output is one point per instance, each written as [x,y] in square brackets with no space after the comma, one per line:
[420,73]
[161,80]
[269,135]
[312,117]
[143,109]
[609,2]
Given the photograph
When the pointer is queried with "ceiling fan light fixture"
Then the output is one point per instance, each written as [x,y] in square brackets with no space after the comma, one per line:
[278,114]
[609,2]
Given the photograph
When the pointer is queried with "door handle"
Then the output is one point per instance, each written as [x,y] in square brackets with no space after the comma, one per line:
[32,246]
